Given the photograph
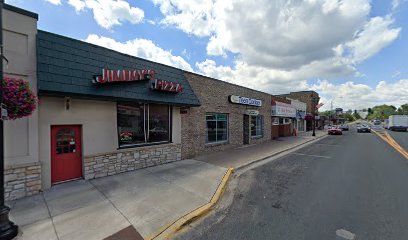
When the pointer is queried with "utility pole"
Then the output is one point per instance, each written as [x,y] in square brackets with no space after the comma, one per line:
[8,230]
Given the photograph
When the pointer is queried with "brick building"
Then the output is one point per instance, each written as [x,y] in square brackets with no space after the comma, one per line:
[283,115]
[311,98]
[220,122]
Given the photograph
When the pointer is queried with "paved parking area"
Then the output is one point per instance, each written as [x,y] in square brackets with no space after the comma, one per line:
[146,199]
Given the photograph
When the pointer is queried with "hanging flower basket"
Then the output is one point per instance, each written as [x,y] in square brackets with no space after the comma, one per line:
[19,99]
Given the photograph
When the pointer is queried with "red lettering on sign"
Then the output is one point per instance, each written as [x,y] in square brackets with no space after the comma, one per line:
[168,86]
[124,75]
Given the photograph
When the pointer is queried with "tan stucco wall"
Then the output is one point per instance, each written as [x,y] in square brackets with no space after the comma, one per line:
[19,36]
[99,127]
[176,128]
[98,121]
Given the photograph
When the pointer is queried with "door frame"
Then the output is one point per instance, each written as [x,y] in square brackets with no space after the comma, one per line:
[81,155]
[246,129]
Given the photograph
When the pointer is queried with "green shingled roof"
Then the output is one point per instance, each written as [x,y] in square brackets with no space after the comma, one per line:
[66,67]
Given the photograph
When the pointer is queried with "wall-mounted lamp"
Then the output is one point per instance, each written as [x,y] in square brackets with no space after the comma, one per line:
[67,103]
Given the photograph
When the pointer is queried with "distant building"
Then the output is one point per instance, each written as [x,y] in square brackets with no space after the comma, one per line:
[311,98]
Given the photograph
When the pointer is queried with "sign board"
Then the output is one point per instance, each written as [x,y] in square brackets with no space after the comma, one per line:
[283,111]
[251,112]
[109,76]
[167,86]
[317,117]
[245,101]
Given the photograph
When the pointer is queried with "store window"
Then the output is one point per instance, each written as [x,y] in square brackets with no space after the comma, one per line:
[287,121]
[275,121]
[140,124]
[256,126]
[216,127]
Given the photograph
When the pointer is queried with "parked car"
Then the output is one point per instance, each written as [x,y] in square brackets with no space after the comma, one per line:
[344,127]
[363,128]
[335,130]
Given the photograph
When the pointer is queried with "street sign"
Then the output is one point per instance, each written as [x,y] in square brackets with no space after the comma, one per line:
[252,112]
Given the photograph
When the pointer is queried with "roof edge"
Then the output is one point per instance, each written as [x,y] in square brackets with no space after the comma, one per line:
[20,11]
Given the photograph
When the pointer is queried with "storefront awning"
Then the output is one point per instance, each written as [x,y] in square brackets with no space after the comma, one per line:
[300,114]
[70,67]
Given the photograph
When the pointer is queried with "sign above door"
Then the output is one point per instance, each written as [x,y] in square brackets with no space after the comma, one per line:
[245,101]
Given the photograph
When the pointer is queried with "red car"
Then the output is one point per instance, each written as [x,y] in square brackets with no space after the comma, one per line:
[335,130]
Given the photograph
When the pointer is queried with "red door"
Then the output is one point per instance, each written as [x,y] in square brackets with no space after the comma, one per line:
[66,156]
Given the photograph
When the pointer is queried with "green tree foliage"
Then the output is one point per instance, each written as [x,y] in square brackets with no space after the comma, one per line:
[356,115]
[349,117]
[382,112]
[403,110]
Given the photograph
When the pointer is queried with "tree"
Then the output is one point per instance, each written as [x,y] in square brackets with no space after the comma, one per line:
[20,101]
[349,117]
[356,115]
[403,109]
[382,112]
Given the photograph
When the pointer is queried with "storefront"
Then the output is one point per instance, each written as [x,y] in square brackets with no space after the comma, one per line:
[299,122]
[283,117]
[102,112]
[230,116]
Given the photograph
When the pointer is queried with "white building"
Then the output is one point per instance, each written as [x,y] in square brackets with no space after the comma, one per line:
[299,122]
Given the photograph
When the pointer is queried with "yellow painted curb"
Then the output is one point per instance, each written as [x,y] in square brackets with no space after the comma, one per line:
[169,230]
[390,140]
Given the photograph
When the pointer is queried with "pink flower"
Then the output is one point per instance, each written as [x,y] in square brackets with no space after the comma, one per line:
[19,99]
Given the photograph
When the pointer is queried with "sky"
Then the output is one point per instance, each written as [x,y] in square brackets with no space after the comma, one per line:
[352,52]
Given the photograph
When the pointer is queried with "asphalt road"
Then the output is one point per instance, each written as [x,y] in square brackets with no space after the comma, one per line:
[401,138]
[354,182]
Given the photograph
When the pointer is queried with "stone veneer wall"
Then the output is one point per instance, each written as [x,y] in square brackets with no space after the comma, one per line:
[124,160]
[213,95]
[22,180]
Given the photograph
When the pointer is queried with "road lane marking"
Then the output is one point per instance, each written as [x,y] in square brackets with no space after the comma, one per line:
[344,234]
[390,140]
[310,155]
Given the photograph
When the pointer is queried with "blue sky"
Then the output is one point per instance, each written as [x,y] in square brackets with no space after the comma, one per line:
[354,50]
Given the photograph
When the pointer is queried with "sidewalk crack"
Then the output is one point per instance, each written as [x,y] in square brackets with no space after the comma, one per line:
[51,217]
[114,206]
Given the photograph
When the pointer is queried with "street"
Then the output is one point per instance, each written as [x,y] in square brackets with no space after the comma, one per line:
[352,186]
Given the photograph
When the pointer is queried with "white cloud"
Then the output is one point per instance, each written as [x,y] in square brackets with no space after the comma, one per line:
[351,95]
[255,77]
[108,13]
[141,48]
[375,35]
[302,39]
[79,5]
[55,2]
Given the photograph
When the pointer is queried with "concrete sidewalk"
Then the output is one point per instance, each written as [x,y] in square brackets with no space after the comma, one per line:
[240,157]
[147,199]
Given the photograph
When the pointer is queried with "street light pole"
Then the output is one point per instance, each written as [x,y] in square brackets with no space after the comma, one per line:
[8,230]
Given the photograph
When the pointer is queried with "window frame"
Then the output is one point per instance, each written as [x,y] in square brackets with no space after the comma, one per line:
[260,134]
[145,126]
[216,120]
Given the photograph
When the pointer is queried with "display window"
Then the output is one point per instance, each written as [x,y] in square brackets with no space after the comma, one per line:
[140,124]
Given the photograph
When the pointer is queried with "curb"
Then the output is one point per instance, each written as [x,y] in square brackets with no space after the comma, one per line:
[282,151]
[169,230]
